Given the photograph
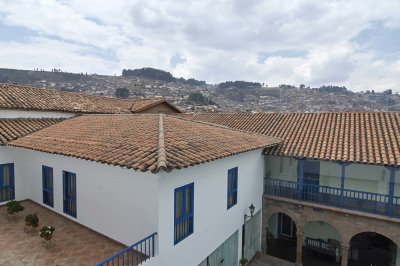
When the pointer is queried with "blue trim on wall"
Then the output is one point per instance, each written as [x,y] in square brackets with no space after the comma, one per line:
[47,176]
[69,194]
[391,190]
[232,191]
[300,178]
[183,226]
[12,181]
[342,180]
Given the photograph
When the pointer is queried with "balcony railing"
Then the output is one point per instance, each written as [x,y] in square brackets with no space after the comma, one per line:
[135,254]
[333,196]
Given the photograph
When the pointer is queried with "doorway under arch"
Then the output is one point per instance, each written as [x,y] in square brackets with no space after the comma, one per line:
[370,248]
[321,244]
[281,237]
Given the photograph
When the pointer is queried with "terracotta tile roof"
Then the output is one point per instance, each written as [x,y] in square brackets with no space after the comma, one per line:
[11,129]
[142,142]
[31,98]
[370,138]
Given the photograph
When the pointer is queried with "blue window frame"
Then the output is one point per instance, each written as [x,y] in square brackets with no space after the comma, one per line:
[232,187]
[7,189]
[183,212]
[47,185]
[69,193]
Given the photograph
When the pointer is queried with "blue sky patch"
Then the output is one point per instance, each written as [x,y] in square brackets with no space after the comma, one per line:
[379,38]
[15,33]
[176,60]
[262,56]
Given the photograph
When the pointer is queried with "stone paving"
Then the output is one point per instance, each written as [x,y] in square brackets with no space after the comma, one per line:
[267,260]
[73,244]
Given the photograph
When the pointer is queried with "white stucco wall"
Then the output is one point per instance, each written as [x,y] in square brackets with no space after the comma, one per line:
[119,203]
[284,168]
[7,157]
[14,113]
[213,223]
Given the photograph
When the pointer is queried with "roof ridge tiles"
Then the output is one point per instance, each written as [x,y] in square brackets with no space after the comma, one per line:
[161,152]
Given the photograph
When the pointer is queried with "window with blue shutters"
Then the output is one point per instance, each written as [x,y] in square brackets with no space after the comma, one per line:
[232,187]
[47,185]
[69,193]
[7,189]
[183,217]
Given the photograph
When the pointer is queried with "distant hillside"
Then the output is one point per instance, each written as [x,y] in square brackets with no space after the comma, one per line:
[149,73]
[158,74]
[239,85]
[30,76]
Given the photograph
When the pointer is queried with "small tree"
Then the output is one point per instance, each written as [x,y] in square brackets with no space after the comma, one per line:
[122,93]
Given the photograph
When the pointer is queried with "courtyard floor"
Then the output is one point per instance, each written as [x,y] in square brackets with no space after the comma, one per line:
[73,243]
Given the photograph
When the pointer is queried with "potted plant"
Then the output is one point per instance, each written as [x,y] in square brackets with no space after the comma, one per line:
[243,261]
[32,220]
[14,207]
[47,232]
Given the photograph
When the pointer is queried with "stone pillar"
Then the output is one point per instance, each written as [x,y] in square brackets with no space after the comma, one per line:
[299,250]
[345,254]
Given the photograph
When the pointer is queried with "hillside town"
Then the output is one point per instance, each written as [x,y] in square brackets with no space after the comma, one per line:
[260,99]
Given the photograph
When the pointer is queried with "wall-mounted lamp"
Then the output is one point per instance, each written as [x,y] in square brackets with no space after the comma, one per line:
[251,208]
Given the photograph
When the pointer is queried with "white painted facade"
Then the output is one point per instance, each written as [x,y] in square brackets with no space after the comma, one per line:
[119,203]
[213,223]
[19,113]
[146,201]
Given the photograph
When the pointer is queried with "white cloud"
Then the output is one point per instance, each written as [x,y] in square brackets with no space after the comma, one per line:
[47,54]
[220,40]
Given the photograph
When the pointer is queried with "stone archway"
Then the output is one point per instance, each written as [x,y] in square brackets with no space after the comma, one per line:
[372,248]
[281,240]
[321,244]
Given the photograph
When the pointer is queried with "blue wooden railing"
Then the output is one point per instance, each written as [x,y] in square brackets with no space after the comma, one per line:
[334,196]
[135,254]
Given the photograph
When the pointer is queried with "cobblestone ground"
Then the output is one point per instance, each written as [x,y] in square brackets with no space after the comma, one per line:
[73,244]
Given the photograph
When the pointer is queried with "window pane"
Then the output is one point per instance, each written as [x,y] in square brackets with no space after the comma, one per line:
[50,182]
[189,199]
[6,175]
[230,200]
[179,204]
[229,181]
[232,187]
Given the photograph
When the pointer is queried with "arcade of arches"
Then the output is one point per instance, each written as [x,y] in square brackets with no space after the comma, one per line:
[310,234]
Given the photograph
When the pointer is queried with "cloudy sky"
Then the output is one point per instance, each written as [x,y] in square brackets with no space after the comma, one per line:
[355,43]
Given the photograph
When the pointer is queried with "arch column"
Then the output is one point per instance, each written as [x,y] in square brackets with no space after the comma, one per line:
[299,249]
[345,254]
